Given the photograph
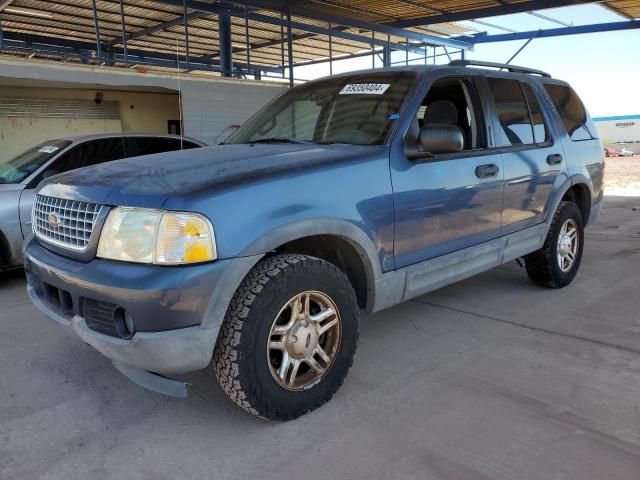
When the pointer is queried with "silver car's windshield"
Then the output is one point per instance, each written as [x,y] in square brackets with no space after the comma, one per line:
[16,169]
[356,109]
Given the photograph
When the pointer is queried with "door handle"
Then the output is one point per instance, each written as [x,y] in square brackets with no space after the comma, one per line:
[484,171]
[554,159]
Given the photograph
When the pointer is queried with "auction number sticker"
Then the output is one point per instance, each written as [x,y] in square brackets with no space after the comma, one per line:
[49,149]
[364,89]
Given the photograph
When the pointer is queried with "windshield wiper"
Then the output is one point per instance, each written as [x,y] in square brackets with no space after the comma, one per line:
[280,140]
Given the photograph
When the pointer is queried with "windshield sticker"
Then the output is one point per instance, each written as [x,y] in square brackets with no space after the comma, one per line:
[394,116]
[364,89]
[49,149]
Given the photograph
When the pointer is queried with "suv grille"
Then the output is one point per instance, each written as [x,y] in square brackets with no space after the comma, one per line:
[66,223]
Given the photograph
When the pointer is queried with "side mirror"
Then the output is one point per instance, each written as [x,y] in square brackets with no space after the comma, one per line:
[434,139]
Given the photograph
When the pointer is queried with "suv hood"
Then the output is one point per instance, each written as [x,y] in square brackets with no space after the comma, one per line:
[150,180]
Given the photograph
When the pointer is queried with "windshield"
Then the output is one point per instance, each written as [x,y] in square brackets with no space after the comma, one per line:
[356,109]
[15,170]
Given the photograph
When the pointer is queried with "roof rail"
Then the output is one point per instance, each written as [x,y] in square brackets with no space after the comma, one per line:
[511,68]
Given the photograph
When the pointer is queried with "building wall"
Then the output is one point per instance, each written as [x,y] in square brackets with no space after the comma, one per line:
[139,112]
[622,129]
[210,104]
[210,109]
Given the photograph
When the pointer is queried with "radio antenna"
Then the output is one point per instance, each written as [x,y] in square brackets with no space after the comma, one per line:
[180,124]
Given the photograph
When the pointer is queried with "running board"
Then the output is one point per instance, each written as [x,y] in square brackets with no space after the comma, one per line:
[153,381]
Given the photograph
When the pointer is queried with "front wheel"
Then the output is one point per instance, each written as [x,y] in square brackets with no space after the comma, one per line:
[289,337]
[556,264]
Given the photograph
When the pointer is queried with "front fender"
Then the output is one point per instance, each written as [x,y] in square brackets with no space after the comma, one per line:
[345,230]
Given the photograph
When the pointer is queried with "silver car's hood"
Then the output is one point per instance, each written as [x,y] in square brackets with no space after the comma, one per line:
[11,187]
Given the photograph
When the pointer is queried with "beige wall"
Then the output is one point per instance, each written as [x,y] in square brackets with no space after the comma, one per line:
[139,112]
[19,133]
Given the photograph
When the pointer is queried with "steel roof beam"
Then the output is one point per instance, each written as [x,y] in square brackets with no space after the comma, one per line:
[555,32]
[506,9]
[31,42]
[4,4]
[296,25]
[158,28]
[388,28]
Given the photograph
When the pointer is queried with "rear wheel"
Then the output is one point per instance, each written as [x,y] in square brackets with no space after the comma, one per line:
[289,337]
[556,264]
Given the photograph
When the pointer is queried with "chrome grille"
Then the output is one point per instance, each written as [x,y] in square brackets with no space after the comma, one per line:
[66,223]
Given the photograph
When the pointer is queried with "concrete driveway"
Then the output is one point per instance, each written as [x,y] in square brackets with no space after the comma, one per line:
[491,378]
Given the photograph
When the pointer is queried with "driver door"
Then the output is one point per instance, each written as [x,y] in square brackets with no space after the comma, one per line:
[450,201]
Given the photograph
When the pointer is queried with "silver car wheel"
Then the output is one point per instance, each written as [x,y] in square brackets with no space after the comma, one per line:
[567,245]
[304,340]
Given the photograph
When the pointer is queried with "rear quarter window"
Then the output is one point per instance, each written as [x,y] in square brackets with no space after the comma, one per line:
[572,112]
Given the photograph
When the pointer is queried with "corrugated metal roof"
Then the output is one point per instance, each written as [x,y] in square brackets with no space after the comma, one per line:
[73,21]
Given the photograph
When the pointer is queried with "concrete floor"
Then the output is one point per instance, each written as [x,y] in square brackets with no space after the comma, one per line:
[491,378]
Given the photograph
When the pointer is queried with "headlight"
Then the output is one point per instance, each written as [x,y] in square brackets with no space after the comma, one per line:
[154,236]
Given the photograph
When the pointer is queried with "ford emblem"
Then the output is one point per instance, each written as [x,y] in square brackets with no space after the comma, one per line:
[54,220]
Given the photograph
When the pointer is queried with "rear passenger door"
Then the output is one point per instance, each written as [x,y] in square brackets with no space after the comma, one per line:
[533,163]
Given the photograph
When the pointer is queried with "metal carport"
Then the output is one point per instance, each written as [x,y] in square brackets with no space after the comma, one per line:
[262,38]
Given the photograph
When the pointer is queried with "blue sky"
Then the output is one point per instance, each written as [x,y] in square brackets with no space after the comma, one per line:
[604,68]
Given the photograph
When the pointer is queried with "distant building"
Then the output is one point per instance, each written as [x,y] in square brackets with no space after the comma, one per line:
[615,131]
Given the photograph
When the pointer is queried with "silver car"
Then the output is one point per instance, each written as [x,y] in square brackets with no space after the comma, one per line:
[19,176]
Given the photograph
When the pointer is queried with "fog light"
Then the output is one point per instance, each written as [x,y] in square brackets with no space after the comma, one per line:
[123,323]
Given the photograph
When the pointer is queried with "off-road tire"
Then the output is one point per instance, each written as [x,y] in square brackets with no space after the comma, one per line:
[542,265]
[240,356]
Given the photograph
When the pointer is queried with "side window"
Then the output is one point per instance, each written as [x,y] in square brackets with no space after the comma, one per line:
[512,111]
[151,145]
[90,153]
[539,128]
[188,145]
[454,101]
[572,111]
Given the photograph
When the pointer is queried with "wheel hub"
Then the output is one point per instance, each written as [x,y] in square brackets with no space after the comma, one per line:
[567,249]
[303,339]
[565,244]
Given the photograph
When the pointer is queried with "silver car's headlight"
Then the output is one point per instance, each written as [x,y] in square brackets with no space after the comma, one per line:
[144,235]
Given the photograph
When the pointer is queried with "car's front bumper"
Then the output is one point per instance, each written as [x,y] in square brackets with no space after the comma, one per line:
[177,311]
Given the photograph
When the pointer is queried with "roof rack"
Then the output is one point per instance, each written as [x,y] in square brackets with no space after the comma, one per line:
[506,66]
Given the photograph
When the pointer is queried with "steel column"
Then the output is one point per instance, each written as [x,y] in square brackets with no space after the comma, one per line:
[124,31]
[373,50]
[290,48]
[282,43]
[330,51]
[386,53]
[224,38]
[97,27]
[246,36]
[186,32]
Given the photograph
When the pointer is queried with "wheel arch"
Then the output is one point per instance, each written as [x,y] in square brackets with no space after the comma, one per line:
[579,194]
[339,242]
[5,250]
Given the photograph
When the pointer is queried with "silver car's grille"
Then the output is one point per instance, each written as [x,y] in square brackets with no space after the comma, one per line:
[66,223]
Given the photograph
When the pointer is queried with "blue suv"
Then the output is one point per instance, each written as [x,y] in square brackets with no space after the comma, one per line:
[353,192]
